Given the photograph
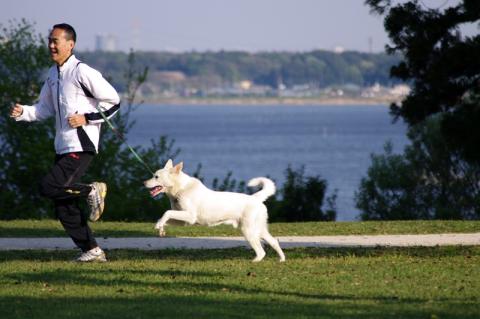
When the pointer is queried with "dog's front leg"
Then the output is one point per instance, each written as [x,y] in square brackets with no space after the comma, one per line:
[179,215]
[161,231]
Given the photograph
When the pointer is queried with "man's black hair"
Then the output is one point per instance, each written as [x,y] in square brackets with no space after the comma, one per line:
[70,33]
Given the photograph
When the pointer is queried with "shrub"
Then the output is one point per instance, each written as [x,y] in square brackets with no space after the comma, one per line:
[430,180]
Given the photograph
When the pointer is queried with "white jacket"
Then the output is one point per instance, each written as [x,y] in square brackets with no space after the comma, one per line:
[74,88]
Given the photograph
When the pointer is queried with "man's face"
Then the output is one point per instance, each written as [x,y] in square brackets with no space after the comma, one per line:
[60,47]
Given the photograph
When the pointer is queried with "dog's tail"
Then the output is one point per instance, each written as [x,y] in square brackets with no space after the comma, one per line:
[268,187]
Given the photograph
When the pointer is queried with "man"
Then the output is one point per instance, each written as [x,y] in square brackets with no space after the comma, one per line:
[72,93]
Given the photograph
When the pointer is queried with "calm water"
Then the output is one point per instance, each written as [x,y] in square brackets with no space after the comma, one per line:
[334,142]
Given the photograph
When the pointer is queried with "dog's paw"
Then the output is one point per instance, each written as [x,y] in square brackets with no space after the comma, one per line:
[161,232]
[259,257]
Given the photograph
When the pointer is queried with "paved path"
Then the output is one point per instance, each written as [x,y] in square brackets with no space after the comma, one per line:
[154,243]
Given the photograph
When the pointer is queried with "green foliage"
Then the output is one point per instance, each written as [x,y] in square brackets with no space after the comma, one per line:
[441,64]
[429,181]
[229,184]
[301,198]
[390,190]
[26,151]
[438,176]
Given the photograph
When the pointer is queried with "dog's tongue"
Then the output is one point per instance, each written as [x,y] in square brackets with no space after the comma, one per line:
[155,192]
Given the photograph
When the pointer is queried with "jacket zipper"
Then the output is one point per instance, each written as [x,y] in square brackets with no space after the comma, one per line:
[58,98]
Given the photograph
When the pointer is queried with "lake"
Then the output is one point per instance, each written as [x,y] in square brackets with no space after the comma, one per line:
[334,142]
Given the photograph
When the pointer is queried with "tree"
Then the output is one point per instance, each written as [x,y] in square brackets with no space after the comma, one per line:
[302,199]
[438,176]
[428,181]
[441,64]
[26,151]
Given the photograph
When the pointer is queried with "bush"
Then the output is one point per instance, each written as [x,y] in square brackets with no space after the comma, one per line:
[300,198]
[429,181]
[26,151]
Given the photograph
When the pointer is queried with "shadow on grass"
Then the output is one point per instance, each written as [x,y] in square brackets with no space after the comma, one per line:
[131,286]
[48,231]
[176,281]
[245,254]
[198,306]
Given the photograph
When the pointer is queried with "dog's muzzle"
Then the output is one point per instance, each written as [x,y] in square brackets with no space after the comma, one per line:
[156,191]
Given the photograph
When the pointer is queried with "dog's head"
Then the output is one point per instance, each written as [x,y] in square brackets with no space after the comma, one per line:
[164,179]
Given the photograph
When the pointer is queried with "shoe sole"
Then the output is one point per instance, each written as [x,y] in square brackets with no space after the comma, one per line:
[99,211]
[102,259]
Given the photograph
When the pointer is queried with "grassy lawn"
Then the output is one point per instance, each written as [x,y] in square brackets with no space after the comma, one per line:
[439,282]
[52,228]
[428,282]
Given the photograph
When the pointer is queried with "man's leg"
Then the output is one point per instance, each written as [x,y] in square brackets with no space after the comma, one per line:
[62,185]
[75,223]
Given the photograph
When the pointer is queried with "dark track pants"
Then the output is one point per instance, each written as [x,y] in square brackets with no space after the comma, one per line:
[62,185]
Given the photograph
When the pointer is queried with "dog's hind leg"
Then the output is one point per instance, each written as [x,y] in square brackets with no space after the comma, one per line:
[257,247]
[253,239]
[273,243]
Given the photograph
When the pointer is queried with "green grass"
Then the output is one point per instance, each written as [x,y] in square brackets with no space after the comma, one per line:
[52,228]
[435,282]
[439,282]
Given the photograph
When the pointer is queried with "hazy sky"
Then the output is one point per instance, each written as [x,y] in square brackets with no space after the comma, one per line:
[184,25]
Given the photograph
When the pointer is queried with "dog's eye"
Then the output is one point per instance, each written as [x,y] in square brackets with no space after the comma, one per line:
[156,176]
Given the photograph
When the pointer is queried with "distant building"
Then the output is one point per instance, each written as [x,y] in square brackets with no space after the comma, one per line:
[338,49]
[245,85]
[107,43]
[400,90]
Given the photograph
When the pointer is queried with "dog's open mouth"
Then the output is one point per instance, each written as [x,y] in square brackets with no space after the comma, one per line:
[155,191]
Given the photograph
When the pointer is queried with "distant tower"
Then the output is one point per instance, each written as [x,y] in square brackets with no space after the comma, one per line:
[370,44]
[106,43]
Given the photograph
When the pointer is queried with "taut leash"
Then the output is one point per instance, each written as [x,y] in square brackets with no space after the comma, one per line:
[120,136]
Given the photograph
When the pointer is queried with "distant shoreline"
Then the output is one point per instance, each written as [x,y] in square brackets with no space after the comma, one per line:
[269,101]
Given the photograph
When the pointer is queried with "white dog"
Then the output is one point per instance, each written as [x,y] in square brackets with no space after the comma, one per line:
[193,203]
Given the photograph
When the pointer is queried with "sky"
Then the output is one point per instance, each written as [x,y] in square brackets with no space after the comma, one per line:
[201,25]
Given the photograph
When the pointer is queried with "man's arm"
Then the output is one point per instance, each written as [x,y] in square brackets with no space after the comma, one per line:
[16,110]
[95,86]
[41,110]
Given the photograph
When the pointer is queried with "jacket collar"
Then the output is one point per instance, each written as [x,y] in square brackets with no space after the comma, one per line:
[68,62]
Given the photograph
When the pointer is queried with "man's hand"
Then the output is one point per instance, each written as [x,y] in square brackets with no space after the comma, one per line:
[16,110]
[77,120]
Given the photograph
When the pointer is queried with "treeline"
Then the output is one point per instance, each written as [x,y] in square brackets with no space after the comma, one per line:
[438,175]
[318,68]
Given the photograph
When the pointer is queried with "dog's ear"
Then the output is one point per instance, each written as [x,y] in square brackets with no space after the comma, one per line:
[178,168]
[169,164]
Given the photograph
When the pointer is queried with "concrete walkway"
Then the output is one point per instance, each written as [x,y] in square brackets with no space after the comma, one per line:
[155,243]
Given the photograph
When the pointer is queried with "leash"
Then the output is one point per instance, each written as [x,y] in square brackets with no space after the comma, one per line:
[120,136]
